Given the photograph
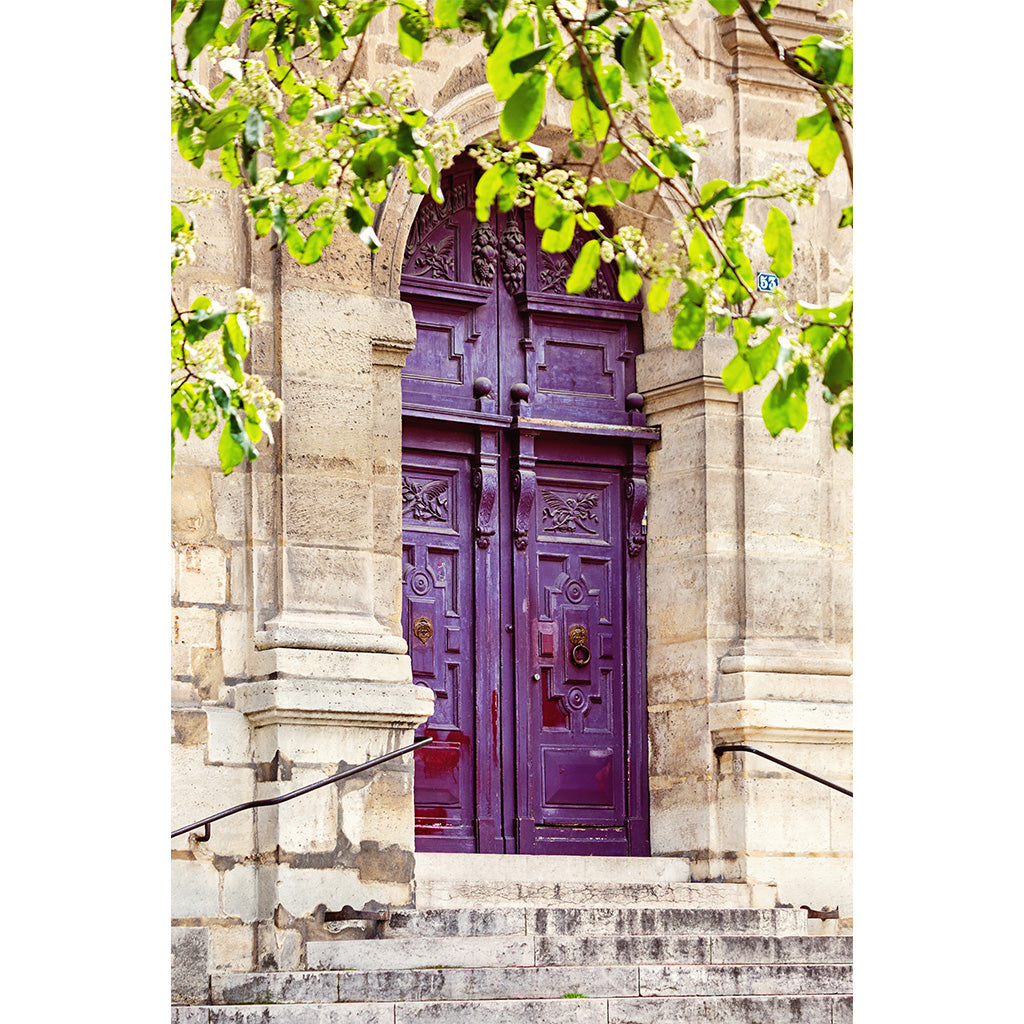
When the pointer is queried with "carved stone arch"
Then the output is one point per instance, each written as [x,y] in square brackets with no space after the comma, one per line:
[475,113]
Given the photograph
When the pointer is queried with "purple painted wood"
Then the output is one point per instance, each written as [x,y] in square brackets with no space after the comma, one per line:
[524,491]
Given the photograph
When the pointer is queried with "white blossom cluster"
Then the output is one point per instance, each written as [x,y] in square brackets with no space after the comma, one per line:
[248,306]
[183,250]
[254,392]
[796,186]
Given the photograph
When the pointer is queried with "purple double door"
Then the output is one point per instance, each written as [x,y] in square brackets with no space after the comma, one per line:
[523,501]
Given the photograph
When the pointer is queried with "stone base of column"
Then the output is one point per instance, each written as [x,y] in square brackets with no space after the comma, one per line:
[772,824]
[316,713]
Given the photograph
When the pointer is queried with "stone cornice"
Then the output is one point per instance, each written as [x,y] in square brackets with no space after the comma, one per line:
[780,721]
[318,702]
[687,392]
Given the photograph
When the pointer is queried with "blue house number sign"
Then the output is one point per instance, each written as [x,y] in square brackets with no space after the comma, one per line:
[767,282]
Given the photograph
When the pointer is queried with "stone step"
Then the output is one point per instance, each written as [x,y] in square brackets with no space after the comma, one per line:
[594,920]
[549,893]
[489,879]
[513,867]
[554,951]
[786,1009]
[525,983]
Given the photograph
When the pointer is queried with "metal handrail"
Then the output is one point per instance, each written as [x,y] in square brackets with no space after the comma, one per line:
[268,801]
[726,747]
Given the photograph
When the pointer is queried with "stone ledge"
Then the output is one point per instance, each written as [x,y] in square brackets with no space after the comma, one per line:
[341,632]
[318,702]
[766,656]
[740,721]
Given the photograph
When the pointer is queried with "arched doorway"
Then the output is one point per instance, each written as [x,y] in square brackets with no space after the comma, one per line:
[523,499]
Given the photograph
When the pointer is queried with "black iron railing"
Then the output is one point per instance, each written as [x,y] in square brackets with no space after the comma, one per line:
[270,801]
[724,748]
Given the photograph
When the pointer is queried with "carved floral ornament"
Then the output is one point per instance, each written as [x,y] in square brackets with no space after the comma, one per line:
[429,501]
[566,514]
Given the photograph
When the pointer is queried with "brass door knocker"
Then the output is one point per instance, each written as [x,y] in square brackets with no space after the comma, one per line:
[580,653]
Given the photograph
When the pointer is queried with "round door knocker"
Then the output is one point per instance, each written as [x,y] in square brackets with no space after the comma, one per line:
[423,630]
[580,655]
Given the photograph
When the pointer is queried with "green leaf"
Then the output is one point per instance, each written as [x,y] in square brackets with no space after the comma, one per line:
[838,375]
[786,404]
[829,60]
[547,211]
[657,295]
[524,108]
[299,107]
[523,64]
[559,237]
[846,220]
[761,358]
[688,326]
[252,133]
[699,251]
[259,34]
[664,119]
[710,191]
[516,41]
[652,41]
[237,332]
[736,374]
[808,127]
[179,220]
[825,147]
[412,32]
[446,13]
[778,242]
[569,79]
[364,15]
[229,166]
[842,427]
[490,184]
[588,122]
[611,151]
[629,280]
[643,179]
[202,27]
[584,268]
[634,57]
[725,7]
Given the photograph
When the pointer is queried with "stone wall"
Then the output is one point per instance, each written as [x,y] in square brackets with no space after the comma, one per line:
[287,657]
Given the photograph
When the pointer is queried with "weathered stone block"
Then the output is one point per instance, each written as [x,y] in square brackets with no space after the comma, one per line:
[229,497]
[239,892]
[201,790]
[328,579]
[330,510]
[195,889]
[192,508]
[190,954]
[202,574]
[229,738]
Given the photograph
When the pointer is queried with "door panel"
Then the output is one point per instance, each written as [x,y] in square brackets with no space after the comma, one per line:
[571,694]
[437,619]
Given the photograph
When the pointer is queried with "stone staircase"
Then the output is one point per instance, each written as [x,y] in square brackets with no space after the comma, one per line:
[615,941]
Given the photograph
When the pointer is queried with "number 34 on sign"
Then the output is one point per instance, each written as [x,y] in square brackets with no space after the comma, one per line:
[767,282]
